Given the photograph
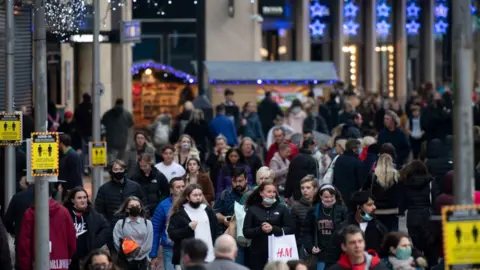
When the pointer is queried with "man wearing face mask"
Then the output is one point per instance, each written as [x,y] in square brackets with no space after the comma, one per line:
[112,194]
[364,217]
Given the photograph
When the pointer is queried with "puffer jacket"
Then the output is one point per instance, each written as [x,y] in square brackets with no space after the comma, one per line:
[438,162]
[386,196]
[112,194]
[280,167]
[299,215]
[155,186]
[418,197]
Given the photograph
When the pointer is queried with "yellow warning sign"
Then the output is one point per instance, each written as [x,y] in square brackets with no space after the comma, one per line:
[44,154]
[98,154]
[461,236]
[10,128]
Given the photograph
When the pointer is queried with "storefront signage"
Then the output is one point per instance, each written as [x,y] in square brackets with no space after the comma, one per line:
[98,154]
[461,236]
[10,128]
[88,38]
[272,8]
[44,154]
[132,31]
[283,95]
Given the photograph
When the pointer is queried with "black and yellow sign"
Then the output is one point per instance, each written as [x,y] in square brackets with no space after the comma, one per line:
[98,154]
[44,154]
[461,236]
[10,128]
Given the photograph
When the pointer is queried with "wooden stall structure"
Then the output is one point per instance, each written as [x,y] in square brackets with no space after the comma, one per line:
[286,80]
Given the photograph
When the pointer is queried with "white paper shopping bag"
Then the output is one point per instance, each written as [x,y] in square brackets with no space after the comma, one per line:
[240,218]
[282,248]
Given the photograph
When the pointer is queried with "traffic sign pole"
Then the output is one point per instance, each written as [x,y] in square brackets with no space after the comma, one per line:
[42,220]
[10,177]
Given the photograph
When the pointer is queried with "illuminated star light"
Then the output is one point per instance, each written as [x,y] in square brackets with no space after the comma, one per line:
[412,28]
[350,10]
[317,28]
[383,10]
[317,10]
[441,11]
[383,28]
[412,10]
[350,28]
[441,27]
[473,9]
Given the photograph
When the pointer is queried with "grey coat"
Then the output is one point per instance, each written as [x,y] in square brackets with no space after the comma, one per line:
[222,264]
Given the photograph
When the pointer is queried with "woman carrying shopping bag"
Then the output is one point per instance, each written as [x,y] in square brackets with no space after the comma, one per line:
[265,216]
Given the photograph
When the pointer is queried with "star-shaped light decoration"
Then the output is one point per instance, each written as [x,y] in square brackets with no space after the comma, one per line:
[317,28]
[441,11]
[318,10]
[473,9]
[412,28]
[383,28]
[412,10]
[383,10]
[350,10]
[441,27]
[350,28]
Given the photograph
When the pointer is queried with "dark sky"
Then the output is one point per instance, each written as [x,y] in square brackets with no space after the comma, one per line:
[164,9]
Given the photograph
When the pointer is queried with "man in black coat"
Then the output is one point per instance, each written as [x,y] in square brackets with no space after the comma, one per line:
[349,172]
[438,163]
[71,165]
[301,165]
[268,110]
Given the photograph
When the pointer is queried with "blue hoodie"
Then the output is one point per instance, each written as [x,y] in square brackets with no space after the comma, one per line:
[159,223]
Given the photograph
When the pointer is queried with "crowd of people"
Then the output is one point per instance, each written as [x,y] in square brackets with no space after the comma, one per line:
[198,194]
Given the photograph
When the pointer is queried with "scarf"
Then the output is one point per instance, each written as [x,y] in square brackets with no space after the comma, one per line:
[401,264]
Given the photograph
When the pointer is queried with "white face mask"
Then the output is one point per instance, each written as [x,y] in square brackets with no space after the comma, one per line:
[186,145]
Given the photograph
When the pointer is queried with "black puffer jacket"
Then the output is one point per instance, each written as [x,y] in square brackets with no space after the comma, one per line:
[155,186]
[112,194]
[418,197]
[438,162]
[386,196]
[299,214]
[301,165]
[348,175]
[276,215]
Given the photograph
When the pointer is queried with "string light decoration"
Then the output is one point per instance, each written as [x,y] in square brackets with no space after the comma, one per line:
[158,5]
[383,14]
[350,26]
[413,17]
[137,68]
[352,51]
[391,67]
[318,14]
[441,16]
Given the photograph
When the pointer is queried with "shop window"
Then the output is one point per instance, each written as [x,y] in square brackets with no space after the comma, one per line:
[54,75]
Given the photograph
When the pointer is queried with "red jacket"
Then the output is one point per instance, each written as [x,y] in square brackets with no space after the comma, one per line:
[63,238]
[344,263]
[274,148]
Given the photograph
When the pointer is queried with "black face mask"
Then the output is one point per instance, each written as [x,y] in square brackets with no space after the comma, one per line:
[194,204]
[134,211]
[117,175]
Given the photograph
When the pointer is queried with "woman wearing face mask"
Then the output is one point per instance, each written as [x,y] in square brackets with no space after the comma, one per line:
[296,116]
[184,150]
[216,158]
[93,230]
[321,223]
[133,235]
[99,259]
[141,145]
[195,175]
[234,159]
[397,253]
[191,217]
[265,216]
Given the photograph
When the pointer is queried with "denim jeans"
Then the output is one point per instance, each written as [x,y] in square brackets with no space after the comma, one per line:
[320,266]
[167,259]
[240,256]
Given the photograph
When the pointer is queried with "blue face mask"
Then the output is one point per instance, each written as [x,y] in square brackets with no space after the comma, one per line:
[365,216]
[269,201]
[360,150]
[403,253]
[334,151]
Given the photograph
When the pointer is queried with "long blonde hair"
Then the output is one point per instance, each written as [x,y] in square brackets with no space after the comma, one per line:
[385,171]
[182,199]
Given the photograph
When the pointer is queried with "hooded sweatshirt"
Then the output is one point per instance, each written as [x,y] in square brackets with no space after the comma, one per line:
[371,258]
[62,238]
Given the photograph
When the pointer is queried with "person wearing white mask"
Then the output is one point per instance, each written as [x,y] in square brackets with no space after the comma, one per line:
[185,149]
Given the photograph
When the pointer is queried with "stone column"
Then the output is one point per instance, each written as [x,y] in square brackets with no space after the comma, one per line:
[122,61]
[400,38]
[302,21]
[427,58]
[338,39]
[371,59]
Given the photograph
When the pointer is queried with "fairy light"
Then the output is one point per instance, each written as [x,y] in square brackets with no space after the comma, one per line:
[352,50]
[390,67]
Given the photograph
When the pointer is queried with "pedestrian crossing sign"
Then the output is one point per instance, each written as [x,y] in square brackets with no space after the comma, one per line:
[44,153]
[10,128]
[461,236]
[98,154]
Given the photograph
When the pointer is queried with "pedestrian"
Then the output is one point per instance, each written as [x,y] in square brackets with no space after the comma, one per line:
[118,123]
[5,257]
[224,125]
[99,259]
[168,166]
[71,166]
[397,253]
[233,159]
[394,135]
[194,175]
[140,146]
[301,165]
[194,253]
[225,254]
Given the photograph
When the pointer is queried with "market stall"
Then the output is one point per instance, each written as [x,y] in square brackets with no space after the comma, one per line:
[159,89]
[286,80]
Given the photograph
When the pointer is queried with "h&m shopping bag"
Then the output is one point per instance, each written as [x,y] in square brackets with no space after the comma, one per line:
[282,248]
